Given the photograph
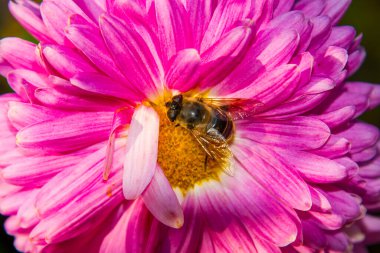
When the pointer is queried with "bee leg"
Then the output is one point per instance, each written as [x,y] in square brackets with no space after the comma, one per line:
[206,160]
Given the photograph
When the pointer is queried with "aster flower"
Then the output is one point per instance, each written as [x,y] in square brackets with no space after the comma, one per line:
[90,161]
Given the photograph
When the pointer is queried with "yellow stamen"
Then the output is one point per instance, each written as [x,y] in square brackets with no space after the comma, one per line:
[181,157]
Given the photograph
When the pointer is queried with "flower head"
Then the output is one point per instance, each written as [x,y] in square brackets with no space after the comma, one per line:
[187,126]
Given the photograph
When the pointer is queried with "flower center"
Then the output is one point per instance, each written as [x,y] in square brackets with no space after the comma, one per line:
[183,160]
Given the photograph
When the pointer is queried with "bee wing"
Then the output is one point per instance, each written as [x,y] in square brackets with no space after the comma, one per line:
[216,147]
[237,108]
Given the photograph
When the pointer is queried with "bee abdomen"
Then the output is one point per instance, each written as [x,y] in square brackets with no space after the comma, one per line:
[222,123]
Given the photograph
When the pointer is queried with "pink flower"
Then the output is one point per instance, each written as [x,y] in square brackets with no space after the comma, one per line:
[91,163]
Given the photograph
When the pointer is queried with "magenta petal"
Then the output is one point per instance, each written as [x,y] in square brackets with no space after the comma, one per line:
[28,14]
[55,15]
[270,88]
[355,61]
[135,59]
[162,202]
[88,39]
[310,8]
[334,147]
[339,117]
[84,102]
[37,171]
[320,201]
[200,13]
[53,196]
[24,114]
[262,214]
[361,136]
[336,8]
[66,61]
[327,170]
[100,84]
[297,133]
[19,53]
[270,50]
[226,53]
[333,63]
[187,238]
[141,151]
[232,238]
[226,15]
[183,72]
[173,27]
[266,167]
[67,133]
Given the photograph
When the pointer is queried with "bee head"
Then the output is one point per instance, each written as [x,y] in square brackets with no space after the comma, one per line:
[174,107]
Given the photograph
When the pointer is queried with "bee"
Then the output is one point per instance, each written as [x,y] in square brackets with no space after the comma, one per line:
[211,122]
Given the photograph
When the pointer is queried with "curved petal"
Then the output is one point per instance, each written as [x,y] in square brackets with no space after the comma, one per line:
[67,133]
[183,72]
[274,175]
[134,57]
[162,202]
[173,27]
[300,133]
[141,151]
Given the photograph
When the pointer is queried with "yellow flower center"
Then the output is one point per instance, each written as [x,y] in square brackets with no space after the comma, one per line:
[181,157]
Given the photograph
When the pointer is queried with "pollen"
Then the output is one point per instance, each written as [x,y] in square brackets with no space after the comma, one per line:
[181,157]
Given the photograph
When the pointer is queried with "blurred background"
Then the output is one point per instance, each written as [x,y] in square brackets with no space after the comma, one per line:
[362,15]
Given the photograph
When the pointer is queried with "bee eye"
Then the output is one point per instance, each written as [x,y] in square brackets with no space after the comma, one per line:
[172,115]
[178,99]
[168,104]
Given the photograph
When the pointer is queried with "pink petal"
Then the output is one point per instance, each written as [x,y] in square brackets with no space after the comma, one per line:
[189,236]
[129,48]
[100,84]
[334,147]
[183,72]
[310,8]
[57,99]
[283,6]
[327,170]
[88,39]
[340,36]
[66,61]
[226,53]
[93,8]
[335,9]
[267,167]
[224,18]
[55,15]
[80,179]
[262,214]
[355,61]
[361,136]
[345,204]
[24,114]
[200,13]
[320,201]
[270,88]
[297,133]
[162,202]
[333,64]
[28,14]
[67,133]
[141,151]
[173,27]
[232,238]
[338,117]
[270,50]
[19,53]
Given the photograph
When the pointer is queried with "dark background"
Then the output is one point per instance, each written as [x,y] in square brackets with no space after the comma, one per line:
[363,15]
